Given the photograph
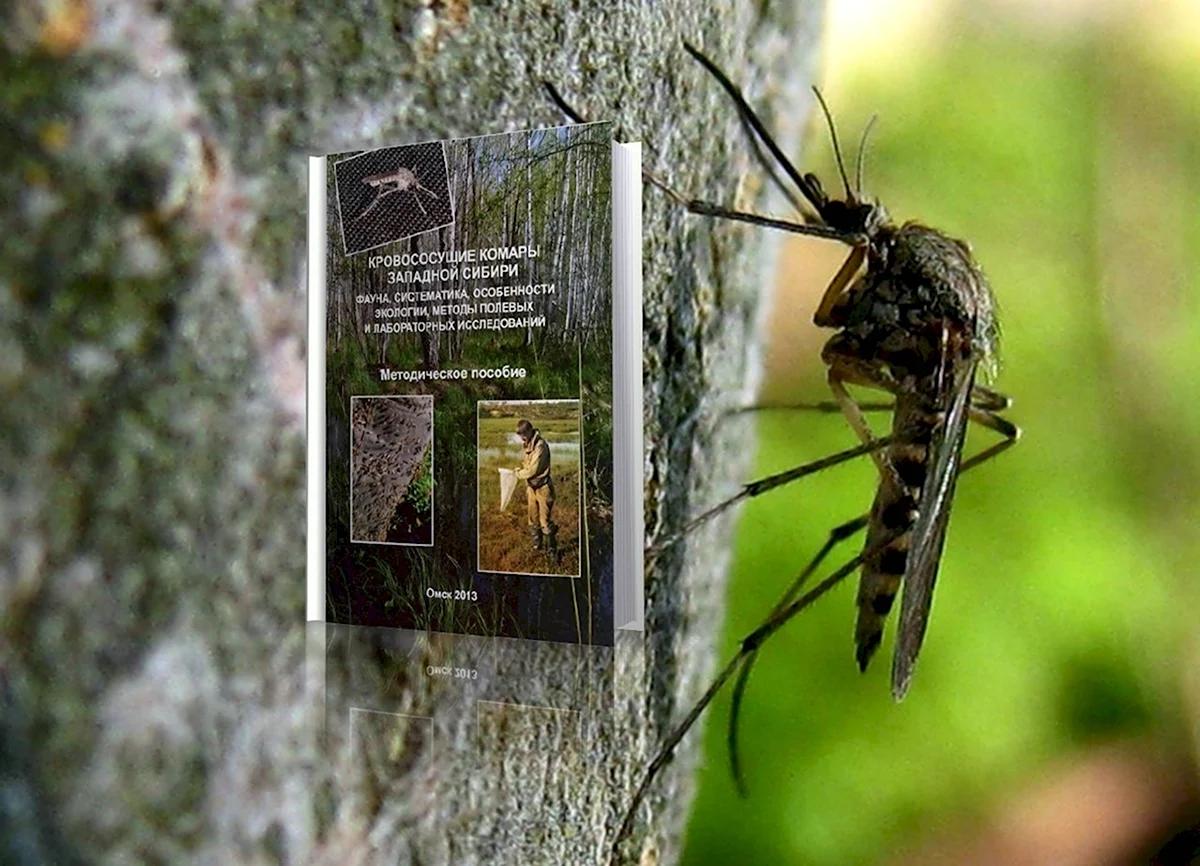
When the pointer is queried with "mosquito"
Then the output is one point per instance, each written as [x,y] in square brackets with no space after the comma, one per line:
[913,317]
[400,180]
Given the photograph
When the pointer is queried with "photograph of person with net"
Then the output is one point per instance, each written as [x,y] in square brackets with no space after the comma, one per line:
[529,464]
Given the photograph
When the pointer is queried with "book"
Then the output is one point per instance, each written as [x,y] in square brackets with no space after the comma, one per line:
[474,412]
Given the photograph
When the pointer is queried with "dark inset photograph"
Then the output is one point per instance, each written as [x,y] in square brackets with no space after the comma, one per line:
[529,459]
[391,470]
[391,194]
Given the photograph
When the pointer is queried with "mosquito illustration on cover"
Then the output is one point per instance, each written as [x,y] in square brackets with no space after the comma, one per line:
[400,180]
[392,193]
[914,317]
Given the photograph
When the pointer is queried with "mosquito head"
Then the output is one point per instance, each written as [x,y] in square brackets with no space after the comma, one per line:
[855,213]
[855,216]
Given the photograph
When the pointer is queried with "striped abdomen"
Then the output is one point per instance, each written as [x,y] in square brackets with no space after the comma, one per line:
[889,534]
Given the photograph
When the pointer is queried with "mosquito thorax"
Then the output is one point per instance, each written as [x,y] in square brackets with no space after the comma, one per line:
[919,288]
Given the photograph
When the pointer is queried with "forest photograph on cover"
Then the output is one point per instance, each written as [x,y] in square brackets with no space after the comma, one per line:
[462,336]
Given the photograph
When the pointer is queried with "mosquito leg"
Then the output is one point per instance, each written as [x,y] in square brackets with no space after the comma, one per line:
[750,645]
[378,199]
[841,369]
[1010,431]
[704,208]
[756,132]
[823,406]
[557,99]
[417,199]
[770,482]
[854,265]
[837,535]
[989,400]
[370,207]
[987,403]
[760,157]
[839,373]
[574,115]
[988,419]
[783,611]
[748,117]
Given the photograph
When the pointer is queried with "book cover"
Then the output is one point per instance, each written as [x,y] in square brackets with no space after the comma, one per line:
[461,379]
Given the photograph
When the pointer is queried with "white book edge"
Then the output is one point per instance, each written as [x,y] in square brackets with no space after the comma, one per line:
[628,490]
[315,408]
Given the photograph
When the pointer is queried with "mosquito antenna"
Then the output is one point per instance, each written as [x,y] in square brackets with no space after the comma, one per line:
[862,150]
[837,148]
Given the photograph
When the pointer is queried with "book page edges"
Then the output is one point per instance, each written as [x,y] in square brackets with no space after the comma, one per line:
[629,536]
[315,408]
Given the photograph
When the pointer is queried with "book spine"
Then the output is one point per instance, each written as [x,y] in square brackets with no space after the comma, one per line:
[628,531]
[315,409]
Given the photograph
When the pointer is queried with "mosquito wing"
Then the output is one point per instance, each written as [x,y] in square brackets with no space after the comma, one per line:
[929,533]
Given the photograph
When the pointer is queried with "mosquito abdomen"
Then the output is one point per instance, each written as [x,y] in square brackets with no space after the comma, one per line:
[889,534]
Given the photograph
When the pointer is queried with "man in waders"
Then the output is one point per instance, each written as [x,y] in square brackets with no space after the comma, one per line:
[535,470]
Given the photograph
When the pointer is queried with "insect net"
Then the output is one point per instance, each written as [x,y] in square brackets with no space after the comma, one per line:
[508,483]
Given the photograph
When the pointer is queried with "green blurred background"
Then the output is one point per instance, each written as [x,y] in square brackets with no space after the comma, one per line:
[1055,703]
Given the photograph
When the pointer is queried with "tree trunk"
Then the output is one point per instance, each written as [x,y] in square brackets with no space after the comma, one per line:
[153,704]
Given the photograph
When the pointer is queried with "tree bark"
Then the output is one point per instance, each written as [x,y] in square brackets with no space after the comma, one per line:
[153,703]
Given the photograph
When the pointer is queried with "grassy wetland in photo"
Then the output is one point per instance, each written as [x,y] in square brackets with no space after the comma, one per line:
[1060,666]
[504,533]
[528,318]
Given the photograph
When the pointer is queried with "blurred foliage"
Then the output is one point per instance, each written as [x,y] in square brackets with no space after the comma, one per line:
[420,490]
[1066,592]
